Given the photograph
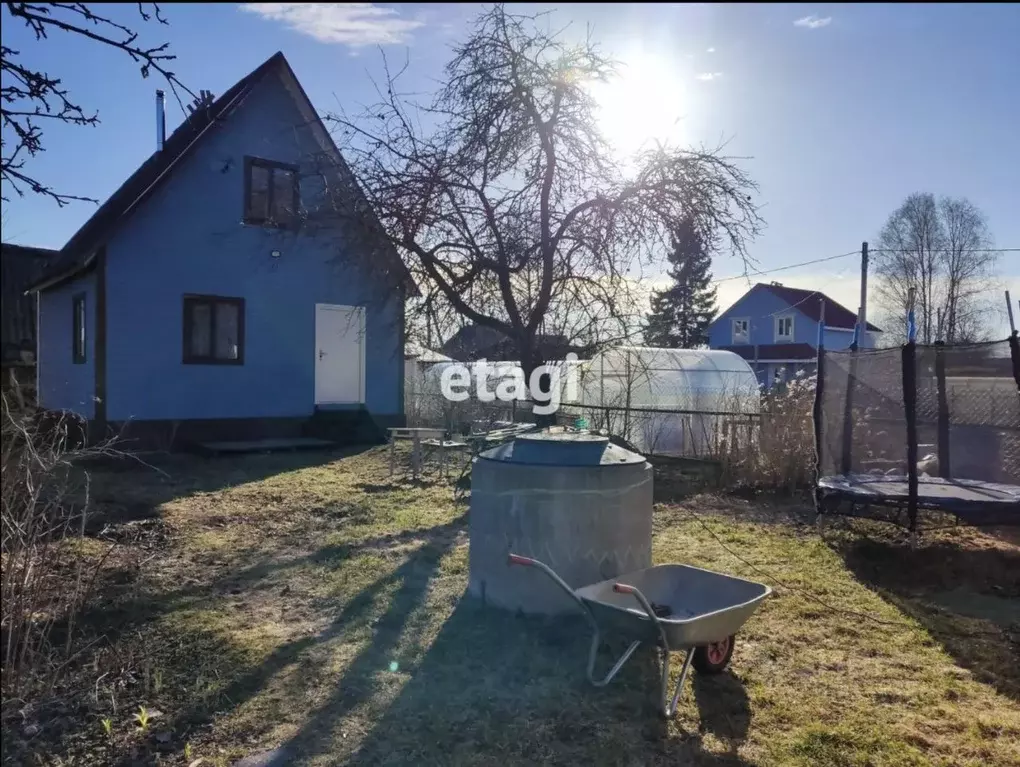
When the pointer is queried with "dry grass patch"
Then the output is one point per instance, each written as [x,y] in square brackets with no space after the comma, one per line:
[308,602]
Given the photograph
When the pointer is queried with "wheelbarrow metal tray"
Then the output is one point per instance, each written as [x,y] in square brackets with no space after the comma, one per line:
[703,606]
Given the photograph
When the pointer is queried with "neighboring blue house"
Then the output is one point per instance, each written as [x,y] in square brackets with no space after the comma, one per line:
[218,294]
[775,328]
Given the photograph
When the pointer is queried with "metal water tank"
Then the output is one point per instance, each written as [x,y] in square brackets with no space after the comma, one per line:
[574,501]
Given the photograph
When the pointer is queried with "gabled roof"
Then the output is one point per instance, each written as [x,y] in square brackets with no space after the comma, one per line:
[807,303]
[20,266]
[474,342]
[80,251]
[425,356]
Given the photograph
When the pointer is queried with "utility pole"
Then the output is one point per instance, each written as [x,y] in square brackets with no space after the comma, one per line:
[1009,309]
[862,311]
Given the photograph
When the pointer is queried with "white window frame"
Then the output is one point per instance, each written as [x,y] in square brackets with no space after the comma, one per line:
[779,337]
[733,330]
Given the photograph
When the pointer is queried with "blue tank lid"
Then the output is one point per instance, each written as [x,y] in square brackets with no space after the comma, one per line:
[562,448]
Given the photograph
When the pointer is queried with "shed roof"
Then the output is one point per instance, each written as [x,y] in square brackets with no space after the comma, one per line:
[769,352]
[20,266]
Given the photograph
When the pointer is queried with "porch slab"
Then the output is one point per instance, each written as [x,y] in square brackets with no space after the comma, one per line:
[266,445]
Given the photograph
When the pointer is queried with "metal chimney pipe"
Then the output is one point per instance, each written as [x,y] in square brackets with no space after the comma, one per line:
[160,120]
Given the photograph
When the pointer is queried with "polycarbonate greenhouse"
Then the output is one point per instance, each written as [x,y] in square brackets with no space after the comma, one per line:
[667,401]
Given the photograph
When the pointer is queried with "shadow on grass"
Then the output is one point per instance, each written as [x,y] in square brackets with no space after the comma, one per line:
[128,489]
[723,707]
[498,688]
[967,597]
[411,579]
[357,685]
[122,616]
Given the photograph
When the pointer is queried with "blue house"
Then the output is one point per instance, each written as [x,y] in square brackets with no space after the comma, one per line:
[775,328]
[219,293]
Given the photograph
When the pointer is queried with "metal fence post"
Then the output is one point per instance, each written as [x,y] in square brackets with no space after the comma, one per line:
[909,355]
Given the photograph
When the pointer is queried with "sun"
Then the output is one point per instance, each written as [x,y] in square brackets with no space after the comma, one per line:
[644,103]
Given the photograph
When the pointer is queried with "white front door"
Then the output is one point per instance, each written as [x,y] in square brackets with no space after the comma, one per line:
[339,354]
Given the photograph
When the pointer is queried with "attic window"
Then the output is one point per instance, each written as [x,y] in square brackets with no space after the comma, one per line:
[784,328]
[270,192]
[741,328]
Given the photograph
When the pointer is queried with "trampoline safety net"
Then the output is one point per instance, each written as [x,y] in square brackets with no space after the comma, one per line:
[966,417]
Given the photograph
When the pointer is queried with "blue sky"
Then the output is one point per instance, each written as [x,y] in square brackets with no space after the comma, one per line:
[841,110]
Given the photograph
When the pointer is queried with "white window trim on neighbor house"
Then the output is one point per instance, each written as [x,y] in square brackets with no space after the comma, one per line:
[745,336]
[781,320]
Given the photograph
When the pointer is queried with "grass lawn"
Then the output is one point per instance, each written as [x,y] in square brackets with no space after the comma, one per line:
[308,602]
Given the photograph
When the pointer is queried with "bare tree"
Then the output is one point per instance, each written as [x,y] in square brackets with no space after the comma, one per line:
[506,201]
[969,266]
[941,250]
[31,97]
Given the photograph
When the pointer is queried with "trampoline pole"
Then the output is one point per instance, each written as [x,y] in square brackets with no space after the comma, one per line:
[1014,353]
[846,462]
[943,417]
[816,409]
[910,412]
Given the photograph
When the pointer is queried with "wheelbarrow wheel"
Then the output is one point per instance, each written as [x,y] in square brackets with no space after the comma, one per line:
[713,658]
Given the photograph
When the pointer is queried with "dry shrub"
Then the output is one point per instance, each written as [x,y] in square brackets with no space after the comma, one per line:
[779,451]
[48,572]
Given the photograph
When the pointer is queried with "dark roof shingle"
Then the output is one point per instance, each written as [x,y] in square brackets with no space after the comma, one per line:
[474,342]
[806,301]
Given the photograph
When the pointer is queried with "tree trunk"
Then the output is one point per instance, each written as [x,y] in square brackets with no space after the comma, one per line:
[530,360]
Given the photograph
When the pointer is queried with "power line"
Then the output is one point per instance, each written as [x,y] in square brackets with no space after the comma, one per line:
[784,268]
[965,250]
[748,275]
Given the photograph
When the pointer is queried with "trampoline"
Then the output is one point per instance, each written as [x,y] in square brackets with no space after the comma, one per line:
[920,429]
[973,501]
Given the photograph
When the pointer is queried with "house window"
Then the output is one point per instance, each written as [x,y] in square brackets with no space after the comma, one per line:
[270,192]
[78,328]
[784,328]
[741,331]
[213,330]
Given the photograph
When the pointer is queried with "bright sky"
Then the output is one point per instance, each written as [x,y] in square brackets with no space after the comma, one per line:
[841,110]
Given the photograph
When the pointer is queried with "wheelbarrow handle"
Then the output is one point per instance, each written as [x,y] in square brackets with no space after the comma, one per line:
[517,559]
[623,588]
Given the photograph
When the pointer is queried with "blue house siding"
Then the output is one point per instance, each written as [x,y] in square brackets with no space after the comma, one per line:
[761,308]
[64,384]
[784,359]
[837,340]
[188,238]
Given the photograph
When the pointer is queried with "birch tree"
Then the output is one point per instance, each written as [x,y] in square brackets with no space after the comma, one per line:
[942,250]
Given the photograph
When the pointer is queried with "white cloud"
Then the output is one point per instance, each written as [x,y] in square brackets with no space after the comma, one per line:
[353,24]
[813,22]
[708,76]
[710,50]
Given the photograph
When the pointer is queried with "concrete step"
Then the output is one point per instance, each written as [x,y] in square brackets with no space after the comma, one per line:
[345,426]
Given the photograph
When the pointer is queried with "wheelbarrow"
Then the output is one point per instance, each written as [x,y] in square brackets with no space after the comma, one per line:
[676,607]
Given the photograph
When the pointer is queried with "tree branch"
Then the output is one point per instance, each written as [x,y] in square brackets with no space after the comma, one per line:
[29,95]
